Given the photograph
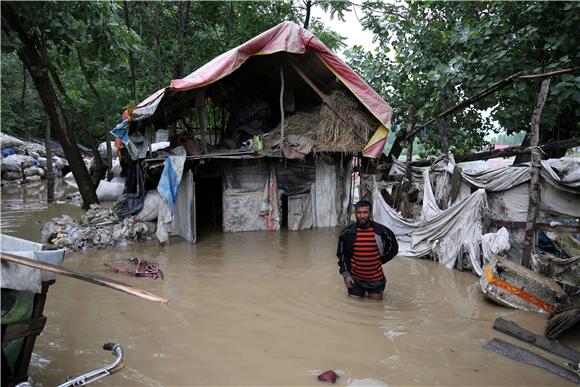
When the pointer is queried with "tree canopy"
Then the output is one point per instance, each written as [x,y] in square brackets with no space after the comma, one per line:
[96,36]
[435,54]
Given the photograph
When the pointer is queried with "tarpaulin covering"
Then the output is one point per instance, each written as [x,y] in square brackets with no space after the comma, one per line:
[445,235]
[285,37]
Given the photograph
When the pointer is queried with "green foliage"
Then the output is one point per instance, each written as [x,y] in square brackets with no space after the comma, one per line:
[435,54]
[97,31]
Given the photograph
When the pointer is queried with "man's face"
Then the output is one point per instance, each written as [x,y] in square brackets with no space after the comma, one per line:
[363,216]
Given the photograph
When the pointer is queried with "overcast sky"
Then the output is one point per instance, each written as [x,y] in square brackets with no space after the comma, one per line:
[350,28]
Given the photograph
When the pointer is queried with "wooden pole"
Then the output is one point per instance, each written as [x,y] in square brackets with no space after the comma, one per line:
[534,190]
[403,197]
[49,166]
[508,152]
[282,109]
[92,278]
[202,117]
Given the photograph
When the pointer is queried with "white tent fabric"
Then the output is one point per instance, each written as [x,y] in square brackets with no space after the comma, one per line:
[445,235]
[563,174]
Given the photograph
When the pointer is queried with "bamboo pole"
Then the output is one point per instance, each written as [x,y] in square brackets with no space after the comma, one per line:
[282,109]
[91,278]
[534,190]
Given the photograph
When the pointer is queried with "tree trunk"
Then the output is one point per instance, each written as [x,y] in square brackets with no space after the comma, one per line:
[97,94]
[183,15]
[132,64]
[96,178]
[23,100]
[308,4]
[534,202]
[38,70]
[230,22]
[158,44]
[49,168]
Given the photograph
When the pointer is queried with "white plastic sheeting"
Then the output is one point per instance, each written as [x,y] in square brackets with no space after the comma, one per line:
[20,277]
[445,235]
[495,243]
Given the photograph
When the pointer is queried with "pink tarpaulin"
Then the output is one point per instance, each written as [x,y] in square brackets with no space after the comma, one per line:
[285,37]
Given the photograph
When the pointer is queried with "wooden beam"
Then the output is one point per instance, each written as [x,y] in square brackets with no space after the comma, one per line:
[534,190]
[537,226]
[512,329]
[508,152]
[91,278]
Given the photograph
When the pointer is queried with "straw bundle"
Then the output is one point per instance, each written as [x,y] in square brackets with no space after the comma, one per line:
[347,131]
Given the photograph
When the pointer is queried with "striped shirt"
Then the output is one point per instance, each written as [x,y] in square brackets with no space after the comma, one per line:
[366,260]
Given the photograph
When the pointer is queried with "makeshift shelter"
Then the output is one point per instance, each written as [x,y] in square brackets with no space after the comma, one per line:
[465,222]
[280,118]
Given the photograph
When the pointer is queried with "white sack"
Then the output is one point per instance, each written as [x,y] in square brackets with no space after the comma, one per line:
[111,191]
[150,209]
[495,243]
[14,163]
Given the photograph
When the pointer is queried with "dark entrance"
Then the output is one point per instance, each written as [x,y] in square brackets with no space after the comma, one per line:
[209,204]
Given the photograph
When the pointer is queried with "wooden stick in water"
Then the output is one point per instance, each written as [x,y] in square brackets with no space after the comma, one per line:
[92,278]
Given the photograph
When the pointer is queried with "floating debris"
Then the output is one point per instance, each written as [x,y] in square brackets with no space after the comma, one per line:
[142,269]
[100,227]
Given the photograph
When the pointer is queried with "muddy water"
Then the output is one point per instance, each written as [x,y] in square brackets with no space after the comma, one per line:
[269,309]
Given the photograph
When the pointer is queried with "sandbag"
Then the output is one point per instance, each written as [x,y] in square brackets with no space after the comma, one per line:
[11,175]
[16,162]
[150,209]
[111,191]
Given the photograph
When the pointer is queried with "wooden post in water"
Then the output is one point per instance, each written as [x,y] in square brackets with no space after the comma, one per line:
[49,167]
[534,191]
[403,203]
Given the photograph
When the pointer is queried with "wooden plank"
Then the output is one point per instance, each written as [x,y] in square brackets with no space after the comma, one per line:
[91,278]
[534,190]
[527,357]
[512,329]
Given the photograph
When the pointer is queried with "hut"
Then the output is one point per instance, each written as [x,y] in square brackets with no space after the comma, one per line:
[268,132]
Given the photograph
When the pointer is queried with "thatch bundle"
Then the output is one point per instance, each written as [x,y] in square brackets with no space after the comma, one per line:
[346,130]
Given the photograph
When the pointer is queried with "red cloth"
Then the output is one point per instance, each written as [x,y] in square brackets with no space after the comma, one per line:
[285,37]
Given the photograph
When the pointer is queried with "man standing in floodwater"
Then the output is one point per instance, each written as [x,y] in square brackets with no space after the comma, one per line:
[363,247]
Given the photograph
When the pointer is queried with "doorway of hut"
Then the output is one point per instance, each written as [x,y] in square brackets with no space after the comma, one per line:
[209,205]
[284,212]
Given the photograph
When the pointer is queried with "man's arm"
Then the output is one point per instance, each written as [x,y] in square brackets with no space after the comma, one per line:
[391,247]
[339,254]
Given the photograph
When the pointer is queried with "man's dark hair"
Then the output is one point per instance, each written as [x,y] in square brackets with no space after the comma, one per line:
[363,203]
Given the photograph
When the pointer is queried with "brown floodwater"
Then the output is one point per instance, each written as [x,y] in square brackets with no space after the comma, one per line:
[267,309]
